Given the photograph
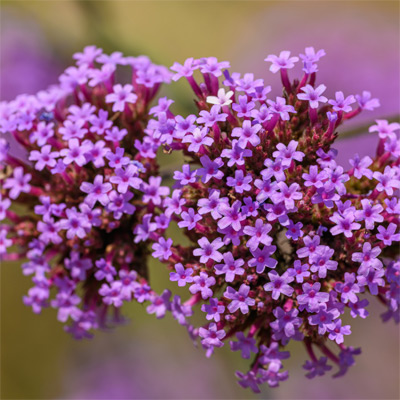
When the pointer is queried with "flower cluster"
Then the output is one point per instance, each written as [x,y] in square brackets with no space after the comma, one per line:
[283,239]
[79,164]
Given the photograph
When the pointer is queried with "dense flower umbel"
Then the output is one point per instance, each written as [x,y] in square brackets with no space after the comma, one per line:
[88,187]
[283,239]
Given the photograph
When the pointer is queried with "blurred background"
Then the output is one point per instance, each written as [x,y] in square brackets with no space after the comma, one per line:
[150,359]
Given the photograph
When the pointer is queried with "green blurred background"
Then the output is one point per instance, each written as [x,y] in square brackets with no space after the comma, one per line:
[147,358]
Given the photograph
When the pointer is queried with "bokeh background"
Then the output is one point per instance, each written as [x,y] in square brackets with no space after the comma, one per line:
[149,359]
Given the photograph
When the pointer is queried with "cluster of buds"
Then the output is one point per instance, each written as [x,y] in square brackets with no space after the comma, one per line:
[86,184]
[283,239]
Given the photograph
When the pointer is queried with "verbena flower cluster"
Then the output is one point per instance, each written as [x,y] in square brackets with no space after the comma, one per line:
[88,185]
[283,240]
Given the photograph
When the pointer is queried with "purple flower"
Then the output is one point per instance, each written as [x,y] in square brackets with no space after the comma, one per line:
[369,214]
[287,194]
[275,169]
[313,95]
[212,204]
[316,367]
[244,107]
[286,323]
[105,270]
[100,123]
[4,242]
[197,139]
[240,299]
[294,230]
[368,258]
[126,178]
[180,311]
[119,204]
[210,65]
[71,130]
[385,129]
[311,56]
[129,283]
[279,284]
[182,275]
[174,203]
[360,166]
[212,336]
[321,261]
[18,183]
[365,101]
[66,304]
[186,176]
[185,70]
[117,159]
[210,169]
[387,181]
[249,380]
[208,119]
[342,104]
[300,271]
[49,230]
[392,206]
[78,265]
[261,258]
[240,182]
[97,191]
[231,216]
[44,158]
[153,192]
[42,133]
[209,250]
[258,233]
[388,235]
[202,283]
[358,308]
[281,108]
[162,249]
[112,294]
[75,153]
[250,208]
[344,224]
[283,61]
[120,96]
[245,344]
[326,196]
[312,297]
[337,332]
[348,289]
[189,219]
[266,189]
[236,154]
[278,212]
[213,310]
[96,153]
[230,268]
[373,279]
[288,153]
[4,205]
[160,304]
[76,224]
